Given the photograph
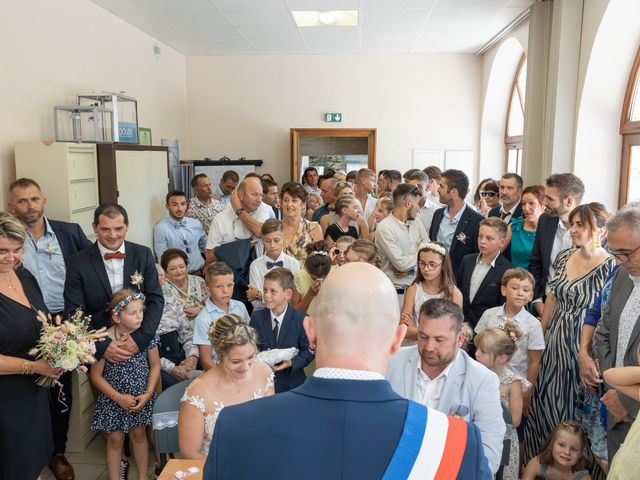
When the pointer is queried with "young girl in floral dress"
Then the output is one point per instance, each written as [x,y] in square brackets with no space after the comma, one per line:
[125,402]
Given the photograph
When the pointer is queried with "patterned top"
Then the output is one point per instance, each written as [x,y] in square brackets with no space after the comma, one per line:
[303,237]
[205,213]
[195,294]
[211,408]
[174,320]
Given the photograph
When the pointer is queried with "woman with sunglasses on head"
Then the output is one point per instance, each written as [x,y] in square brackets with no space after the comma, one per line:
[487,196]
[344,189]
[434,280]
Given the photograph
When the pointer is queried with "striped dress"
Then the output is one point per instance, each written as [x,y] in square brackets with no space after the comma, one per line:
[556,393]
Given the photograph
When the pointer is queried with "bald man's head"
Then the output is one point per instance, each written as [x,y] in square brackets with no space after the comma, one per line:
[356,309]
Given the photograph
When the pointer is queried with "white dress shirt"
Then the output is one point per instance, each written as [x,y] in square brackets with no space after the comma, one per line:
[428,391]
[479,272]
[347,374]
[561,241]
[114,266]
[397,244]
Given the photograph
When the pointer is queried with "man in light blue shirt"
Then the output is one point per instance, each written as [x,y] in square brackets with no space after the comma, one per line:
[47,249]
[227,185]
[181,232]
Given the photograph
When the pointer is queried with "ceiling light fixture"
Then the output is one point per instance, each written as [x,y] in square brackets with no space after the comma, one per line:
[332,18]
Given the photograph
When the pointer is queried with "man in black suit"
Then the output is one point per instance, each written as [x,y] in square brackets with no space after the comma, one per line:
[510,196]
[563,193]
[271,197]
[47,250]
[456,225]
[108,265]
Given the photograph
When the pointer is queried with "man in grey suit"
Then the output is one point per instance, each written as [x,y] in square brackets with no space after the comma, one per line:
[437,373]
[618,333]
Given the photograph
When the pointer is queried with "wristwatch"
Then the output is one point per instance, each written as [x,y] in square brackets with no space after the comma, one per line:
[239,211]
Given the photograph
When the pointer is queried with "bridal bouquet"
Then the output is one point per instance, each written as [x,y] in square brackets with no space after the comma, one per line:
[66,344]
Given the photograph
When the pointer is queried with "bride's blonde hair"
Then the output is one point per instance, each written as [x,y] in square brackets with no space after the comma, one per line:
[230,331]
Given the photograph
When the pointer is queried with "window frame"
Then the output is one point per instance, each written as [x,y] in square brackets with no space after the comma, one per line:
[630,131]
[514,142]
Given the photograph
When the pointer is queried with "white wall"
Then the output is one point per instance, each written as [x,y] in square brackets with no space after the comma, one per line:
[244,106]
[50,51]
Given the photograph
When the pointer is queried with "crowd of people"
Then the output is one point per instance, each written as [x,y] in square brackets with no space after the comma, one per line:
[403,317]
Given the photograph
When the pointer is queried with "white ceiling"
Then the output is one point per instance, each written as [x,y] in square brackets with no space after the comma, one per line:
[266,27]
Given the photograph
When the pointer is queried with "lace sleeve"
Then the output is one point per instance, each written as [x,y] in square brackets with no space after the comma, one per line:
[194,400]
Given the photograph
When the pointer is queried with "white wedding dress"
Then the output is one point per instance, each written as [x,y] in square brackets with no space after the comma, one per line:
[211,408]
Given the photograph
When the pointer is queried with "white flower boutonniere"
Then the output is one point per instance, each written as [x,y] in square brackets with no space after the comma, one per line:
[50,250]
[137,279]
[462,238]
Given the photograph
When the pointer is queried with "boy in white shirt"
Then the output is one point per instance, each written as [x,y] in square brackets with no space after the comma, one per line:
[517,288]
[273,239]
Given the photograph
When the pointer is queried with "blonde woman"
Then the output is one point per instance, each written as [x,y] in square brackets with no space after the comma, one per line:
[236,378]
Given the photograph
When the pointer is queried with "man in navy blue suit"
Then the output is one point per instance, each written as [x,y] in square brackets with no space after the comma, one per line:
[456,225]
[280,326]
[105,267]
[345,422]
[47,250]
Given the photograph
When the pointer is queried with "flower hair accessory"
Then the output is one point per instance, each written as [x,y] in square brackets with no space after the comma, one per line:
[180,475]
[434,247]
[319,252]
[512,335]
[123,304]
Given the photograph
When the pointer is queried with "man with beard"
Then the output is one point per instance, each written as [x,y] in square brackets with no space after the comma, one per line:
[456,225]
[398,237]
[47,249]
[563,193]
[440,375]
[510,196]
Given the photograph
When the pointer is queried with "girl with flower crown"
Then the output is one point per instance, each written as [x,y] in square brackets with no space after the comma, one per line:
[433,280]
[125,402]
[494,349]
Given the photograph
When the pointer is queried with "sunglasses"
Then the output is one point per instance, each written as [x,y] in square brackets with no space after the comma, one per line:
[488,194]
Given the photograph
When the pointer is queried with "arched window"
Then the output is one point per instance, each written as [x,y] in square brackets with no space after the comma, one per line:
[514,130]
[630,130]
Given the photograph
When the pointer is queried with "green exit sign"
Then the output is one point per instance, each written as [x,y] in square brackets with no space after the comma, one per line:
[333,117]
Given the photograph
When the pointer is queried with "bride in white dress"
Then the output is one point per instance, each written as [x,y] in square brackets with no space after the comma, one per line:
[236,378]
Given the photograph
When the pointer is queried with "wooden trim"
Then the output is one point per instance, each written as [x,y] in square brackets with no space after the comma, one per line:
[296,133]
[514,86]
[627,126]
[628,141]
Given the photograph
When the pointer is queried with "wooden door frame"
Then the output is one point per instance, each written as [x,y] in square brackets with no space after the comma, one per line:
[295,133]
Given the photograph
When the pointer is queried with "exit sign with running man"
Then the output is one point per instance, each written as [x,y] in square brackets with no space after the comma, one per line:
[333,117]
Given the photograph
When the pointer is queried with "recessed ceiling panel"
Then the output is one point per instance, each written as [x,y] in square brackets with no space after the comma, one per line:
[268,27]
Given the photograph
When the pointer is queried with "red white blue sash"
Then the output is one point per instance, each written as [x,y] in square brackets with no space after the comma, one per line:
[431,446]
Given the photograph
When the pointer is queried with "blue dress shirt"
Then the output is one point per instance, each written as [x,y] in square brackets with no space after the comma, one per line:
[44,259]
[448,227]
[186,234]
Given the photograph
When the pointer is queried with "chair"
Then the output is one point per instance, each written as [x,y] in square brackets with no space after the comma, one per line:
[165,420]
[506,442]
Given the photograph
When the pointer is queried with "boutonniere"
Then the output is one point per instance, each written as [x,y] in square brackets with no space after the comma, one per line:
[50,250]
[459,411]
[179,475]
[462,238]
[137,279]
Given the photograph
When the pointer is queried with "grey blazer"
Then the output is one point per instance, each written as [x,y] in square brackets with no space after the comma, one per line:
[607,334]
[470,389]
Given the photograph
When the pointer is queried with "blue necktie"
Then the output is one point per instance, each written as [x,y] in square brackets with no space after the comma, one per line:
[271,265]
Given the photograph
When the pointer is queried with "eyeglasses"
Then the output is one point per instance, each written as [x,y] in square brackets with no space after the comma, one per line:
[428,265]
[624,257]
[488,194]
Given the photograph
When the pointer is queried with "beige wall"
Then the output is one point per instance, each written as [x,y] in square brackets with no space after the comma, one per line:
[244,106]
[51,51]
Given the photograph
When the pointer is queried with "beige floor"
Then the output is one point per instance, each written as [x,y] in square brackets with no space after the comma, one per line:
[89,465]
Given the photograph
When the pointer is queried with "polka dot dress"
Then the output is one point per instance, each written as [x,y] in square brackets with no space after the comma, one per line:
[129,377]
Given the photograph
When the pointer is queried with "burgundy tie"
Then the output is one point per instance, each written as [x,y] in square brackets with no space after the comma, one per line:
[116,255]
